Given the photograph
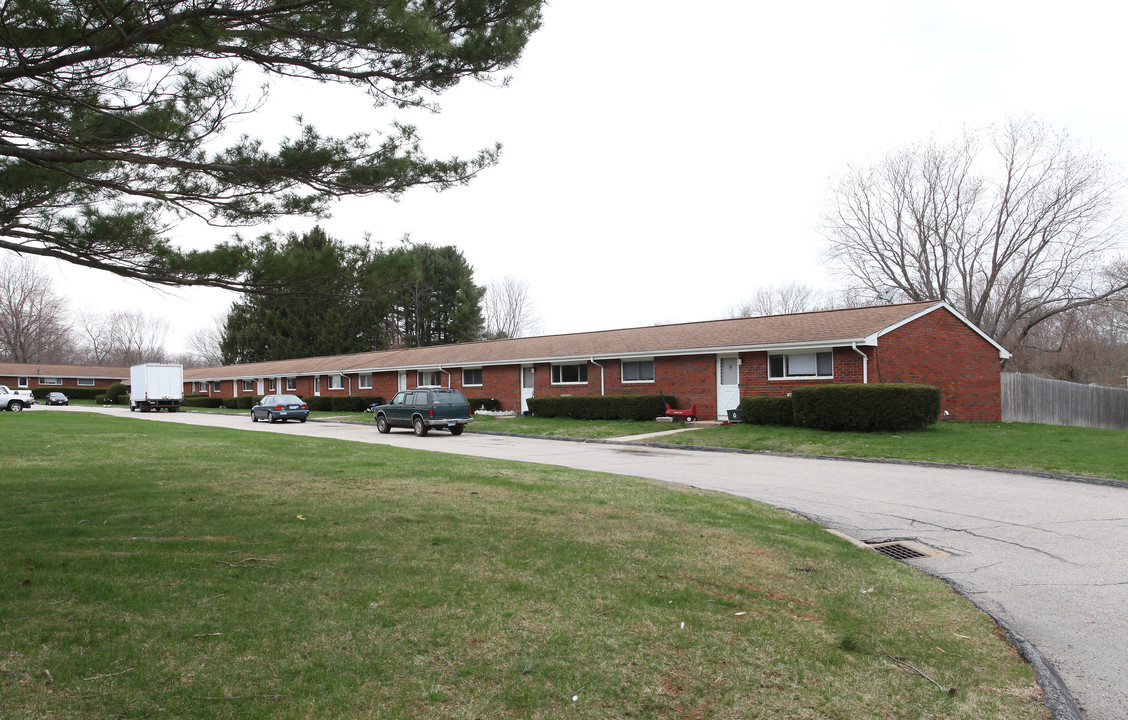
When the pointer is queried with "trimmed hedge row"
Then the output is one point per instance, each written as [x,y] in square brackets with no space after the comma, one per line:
[854,407]
[480,403]
[204,401]
[867,408]
[767,410]
[601,407]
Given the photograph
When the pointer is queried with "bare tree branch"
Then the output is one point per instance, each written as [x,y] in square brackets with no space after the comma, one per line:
[508,310]
[34,323]
[1012,226]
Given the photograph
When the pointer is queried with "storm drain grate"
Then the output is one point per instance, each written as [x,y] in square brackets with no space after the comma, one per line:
[899,551]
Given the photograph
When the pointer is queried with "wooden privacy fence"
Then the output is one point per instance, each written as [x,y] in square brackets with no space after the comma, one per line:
[1027,398]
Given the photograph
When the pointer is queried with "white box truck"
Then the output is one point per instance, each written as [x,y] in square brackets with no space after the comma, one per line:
[156,385]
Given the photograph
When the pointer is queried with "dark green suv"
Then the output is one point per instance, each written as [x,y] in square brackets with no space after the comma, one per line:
[423,409]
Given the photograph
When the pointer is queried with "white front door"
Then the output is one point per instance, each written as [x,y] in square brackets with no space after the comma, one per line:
[317,385]
[526,387]
[728,385]
[402,380]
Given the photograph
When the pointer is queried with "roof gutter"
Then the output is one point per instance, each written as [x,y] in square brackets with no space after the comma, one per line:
[865,364]
[602,384]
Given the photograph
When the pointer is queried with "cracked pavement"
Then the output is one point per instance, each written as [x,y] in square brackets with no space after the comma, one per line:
[1043,555]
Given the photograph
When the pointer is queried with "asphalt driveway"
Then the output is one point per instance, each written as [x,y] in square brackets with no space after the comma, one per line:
[1043,555]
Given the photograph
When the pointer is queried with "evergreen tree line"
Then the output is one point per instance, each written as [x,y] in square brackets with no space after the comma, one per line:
[321,296]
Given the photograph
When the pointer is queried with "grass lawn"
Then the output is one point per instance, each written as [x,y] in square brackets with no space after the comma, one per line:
[158,570]
[1049,448]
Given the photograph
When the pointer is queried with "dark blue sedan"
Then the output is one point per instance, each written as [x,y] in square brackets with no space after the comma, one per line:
[280,407]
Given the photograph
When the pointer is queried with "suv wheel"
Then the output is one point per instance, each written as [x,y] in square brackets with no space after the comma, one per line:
[382,424]
[417,424]
[457,429]
[15,406]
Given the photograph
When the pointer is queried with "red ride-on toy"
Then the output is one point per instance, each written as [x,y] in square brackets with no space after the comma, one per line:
[690,414]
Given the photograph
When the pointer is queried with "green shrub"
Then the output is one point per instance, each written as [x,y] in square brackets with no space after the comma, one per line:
[601,407]
[203,401]
[318,402]
[866,408]
[767,410]
[116,394]
[246,402]
[481,403]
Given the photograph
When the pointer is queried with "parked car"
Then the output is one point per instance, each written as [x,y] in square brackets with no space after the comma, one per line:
[56,398]
[280,407]
[15,400]
[423,409]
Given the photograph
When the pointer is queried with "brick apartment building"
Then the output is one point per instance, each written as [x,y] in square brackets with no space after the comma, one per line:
[30,376]
[708,364]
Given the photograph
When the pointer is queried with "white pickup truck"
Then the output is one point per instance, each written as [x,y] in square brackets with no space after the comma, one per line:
[15,400]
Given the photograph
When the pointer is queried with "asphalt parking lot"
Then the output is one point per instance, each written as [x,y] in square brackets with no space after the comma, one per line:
[1041,554]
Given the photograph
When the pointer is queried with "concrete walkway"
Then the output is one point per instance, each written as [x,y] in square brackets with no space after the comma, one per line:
[1043,555]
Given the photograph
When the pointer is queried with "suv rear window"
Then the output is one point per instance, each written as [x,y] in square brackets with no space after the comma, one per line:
[447,396]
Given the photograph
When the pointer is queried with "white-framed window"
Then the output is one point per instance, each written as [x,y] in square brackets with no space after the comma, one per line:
[336,382]
[570,374]
[429,377]
[471,377]
[85,382]
[271,384]
[216,385]
[801,365]
[21,382]
[248,386]
[50,381]
[638,371]
[364,382]
[201,386]
[291,384]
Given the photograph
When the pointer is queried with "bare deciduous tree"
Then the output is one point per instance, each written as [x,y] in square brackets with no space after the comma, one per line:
[34,326]
[785,299]
[123,337]
[204,344]
[1089,345]
[1012,226]
[508,310]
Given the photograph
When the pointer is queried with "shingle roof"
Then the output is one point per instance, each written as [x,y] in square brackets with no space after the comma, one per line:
[63,371]
[823,328]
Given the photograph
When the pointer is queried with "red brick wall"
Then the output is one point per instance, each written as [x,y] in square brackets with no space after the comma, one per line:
[848,368]
[938,349]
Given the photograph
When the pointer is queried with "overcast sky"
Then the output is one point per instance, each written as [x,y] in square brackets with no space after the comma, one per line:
[662,160]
